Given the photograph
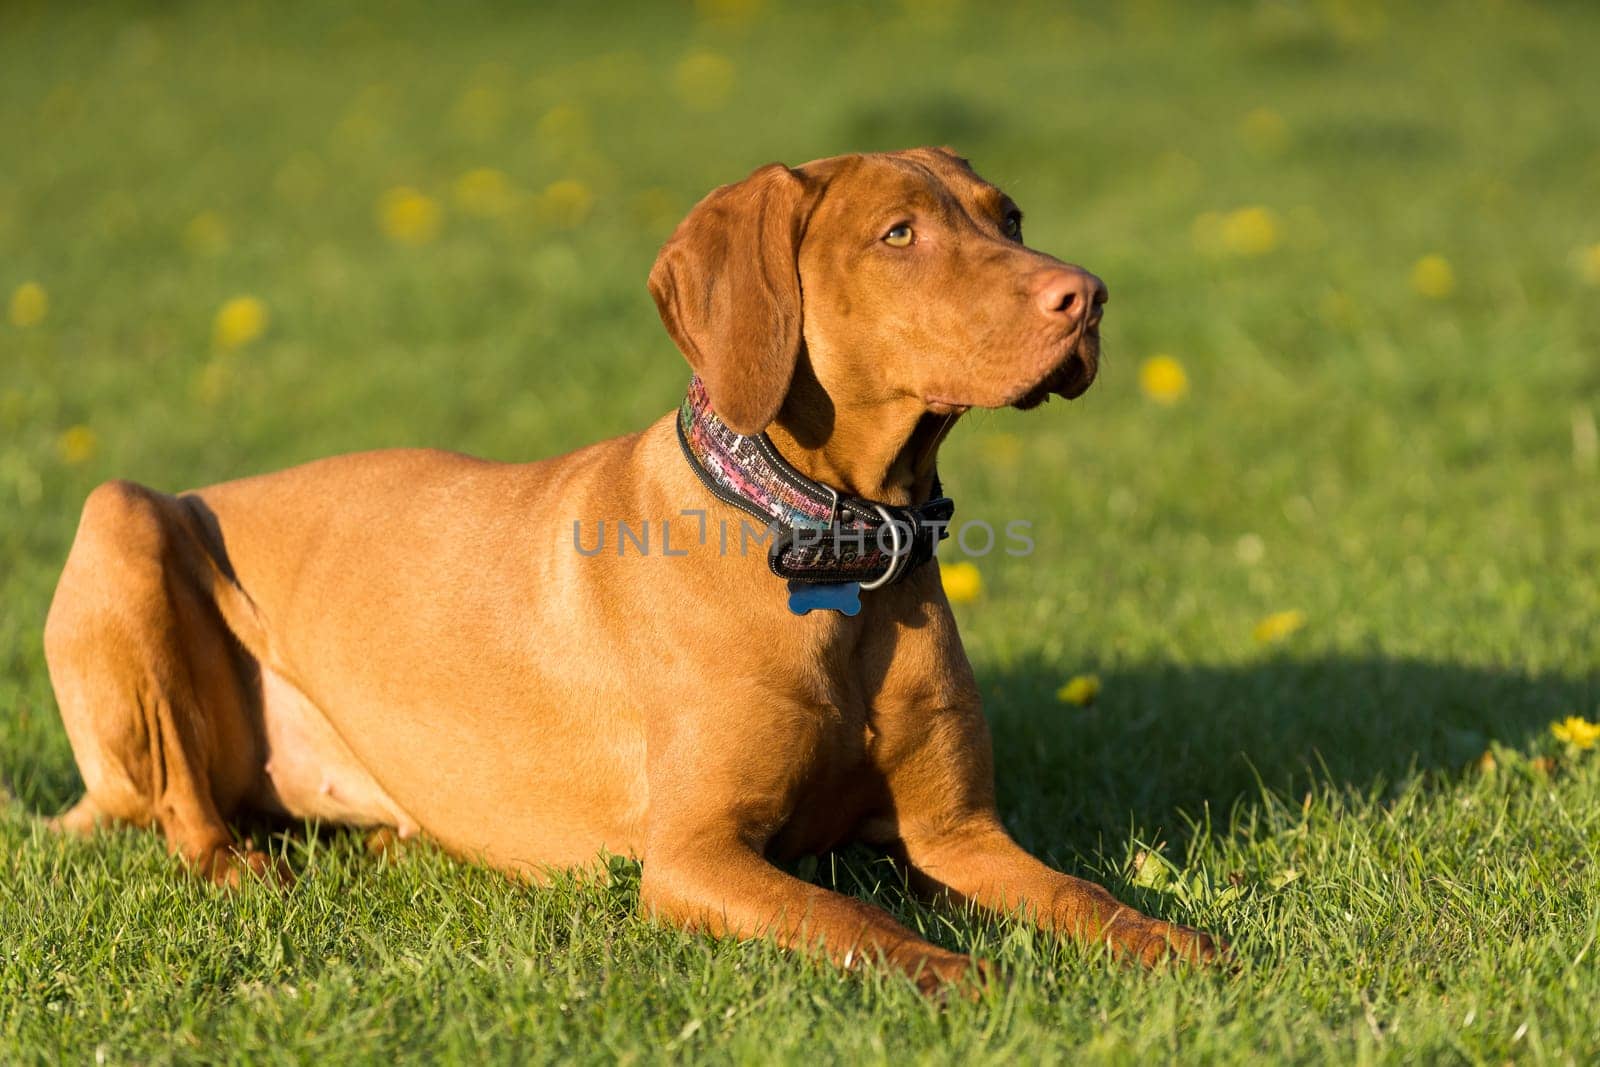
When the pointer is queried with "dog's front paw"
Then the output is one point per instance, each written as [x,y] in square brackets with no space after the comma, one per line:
[941,977]
[1154,943]
[230,868]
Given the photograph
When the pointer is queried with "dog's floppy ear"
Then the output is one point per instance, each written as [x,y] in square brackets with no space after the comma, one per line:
[727,284]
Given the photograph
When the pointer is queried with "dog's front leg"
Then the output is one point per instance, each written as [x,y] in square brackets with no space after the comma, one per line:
[978,862]
[936,749]
[721,886]
[722,785]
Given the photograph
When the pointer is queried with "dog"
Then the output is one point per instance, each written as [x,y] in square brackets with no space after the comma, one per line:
[423,642]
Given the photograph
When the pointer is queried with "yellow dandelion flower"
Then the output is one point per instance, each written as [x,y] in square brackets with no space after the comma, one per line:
[484,192]
[962,582]
[29,305]
[1486,763]
[77,444]
[239,321]
[1589,264]
[1163,379]
[206,234]
[407,216]
[1250,231]
[1433,277]
[704,80]
[1264,131]
[1278,626]
[1576,731]
[1081,690]
[565,203]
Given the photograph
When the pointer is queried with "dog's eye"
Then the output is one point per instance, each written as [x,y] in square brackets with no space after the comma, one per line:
[898,236]
[1013,226]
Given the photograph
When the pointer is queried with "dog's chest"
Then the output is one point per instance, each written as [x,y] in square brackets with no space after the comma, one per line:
[879,692]
[842,788]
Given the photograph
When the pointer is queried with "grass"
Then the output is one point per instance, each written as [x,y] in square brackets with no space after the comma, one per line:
[1414,473]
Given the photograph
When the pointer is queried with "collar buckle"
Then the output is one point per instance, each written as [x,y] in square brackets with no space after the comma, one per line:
[898,555]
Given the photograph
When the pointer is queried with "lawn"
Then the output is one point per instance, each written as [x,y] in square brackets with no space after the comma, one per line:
[1335,560]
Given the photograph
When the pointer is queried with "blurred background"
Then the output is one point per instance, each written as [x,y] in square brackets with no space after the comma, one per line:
[1353,345]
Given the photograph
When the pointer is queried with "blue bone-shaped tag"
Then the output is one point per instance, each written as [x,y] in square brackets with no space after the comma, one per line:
[843,597]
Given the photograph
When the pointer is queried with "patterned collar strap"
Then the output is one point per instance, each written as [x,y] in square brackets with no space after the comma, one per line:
[821,535]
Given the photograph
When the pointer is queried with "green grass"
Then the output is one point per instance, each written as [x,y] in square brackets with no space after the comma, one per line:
[1416,475]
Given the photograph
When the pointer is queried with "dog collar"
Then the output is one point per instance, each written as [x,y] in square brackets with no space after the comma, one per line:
[822,536]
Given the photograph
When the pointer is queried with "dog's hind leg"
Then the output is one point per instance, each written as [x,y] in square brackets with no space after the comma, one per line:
[153,689]
[84,817]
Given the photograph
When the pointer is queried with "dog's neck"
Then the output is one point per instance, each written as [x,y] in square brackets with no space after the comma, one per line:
[882,451]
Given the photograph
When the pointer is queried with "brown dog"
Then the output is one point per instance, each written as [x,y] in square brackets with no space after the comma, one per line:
[422,641]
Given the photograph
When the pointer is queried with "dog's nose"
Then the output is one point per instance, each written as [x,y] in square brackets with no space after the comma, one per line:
[1071,292]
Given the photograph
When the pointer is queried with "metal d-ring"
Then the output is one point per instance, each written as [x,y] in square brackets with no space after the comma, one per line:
[896,559]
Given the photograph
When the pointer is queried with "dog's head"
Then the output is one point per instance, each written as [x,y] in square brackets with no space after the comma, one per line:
[902,277]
